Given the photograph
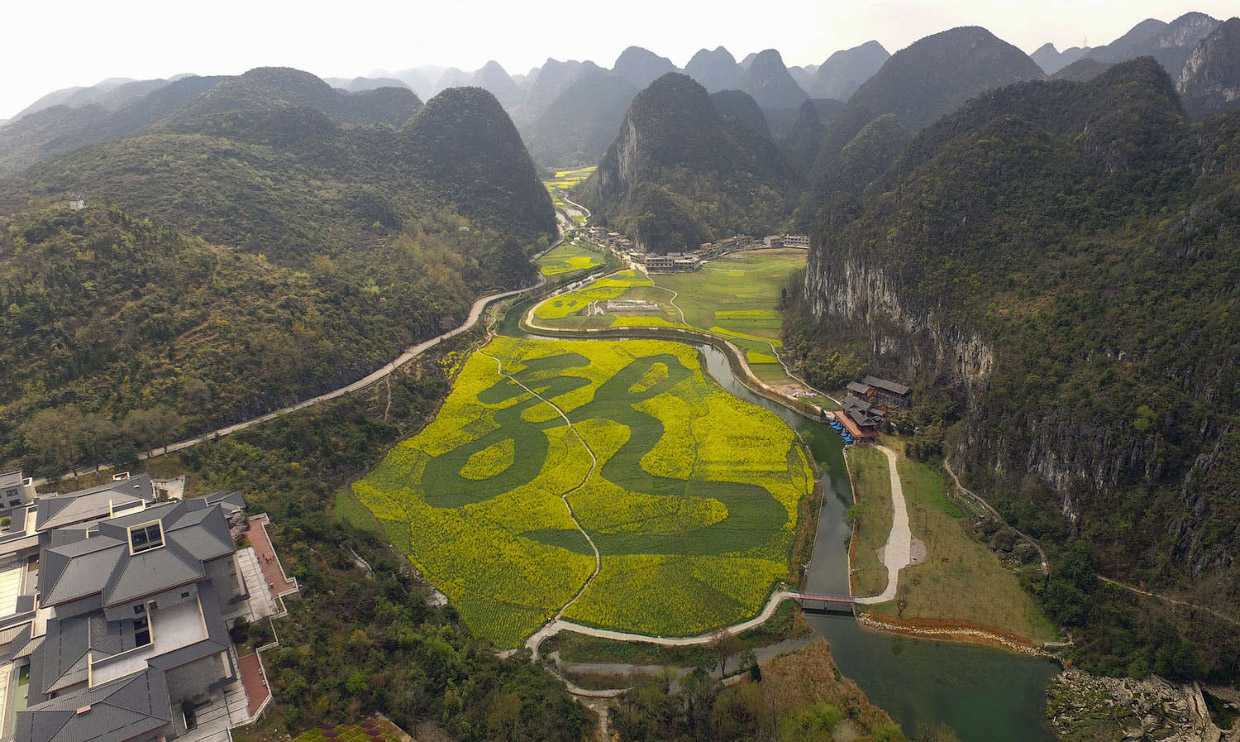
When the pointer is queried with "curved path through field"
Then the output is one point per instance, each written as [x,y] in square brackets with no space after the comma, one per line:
[558,625]
[898,551]
[598,559]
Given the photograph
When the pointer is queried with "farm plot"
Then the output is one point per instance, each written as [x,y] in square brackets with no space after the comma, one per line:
[690,495]
[568,258]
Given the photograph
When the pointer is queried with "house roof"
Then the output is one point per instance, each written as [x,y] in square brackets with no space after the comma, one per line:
[57,511]
[893,387]
[193,532]
[113,712]
[857,387]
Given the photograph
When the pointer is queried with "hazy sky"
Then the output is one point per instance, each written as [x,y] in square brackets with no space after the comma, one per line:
[51,45]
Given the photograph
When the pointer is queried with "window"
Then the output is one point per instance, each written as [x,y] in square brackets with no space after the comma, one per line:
[14,503]
[141,632]
[139,609]
[185,594]
[145,537]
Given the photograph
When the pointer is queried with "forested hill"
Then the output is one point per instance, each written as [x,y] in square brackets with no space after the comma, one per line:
[917,85]
[286,255]
[1061,259]
[680,173]
[111,322]
[292,184]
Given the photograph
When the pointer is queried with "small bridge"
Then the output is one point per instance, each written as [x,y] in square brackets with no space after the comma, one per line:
[826,603]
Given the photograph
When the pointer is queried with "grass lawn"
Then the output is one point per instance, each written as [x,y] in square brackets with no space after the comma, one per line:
[691,495]
[962,579]
[872,485]
[788,622]
[568,258]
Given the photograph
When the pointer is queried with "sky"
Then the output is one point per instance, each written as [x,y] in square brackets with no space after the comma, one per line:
[52,45]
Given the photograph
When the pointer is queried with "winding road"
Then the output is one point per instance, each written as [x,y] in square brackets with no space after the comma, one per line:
[413,351]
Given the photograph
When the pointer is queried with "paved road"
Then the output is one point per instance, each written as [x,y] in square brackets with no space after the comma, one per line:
[898,551]
[557,626]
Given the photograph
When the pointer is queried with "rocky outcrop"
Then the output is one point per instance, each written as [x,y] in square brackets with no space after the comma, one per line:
[1087,707]
[1210,81]
[851,290]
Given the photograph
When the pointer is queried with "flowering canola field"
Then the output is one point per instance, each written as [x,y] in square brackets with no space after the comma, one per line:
[690,494]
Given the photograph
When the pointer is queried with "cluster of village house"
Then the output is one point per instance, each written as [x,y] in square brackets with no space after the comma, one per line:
[115,608]
[866,404]
[677,262]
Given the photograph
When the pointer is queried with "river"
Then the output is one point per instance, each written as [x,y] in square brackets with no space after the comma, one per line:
[983,694]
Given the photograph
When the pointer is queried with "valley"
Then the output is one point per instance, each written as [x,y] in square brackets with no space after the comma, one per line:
[892,399]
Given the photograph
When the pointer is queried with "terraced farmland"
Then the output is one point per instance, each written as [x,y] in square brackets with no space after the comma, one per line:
[689,494]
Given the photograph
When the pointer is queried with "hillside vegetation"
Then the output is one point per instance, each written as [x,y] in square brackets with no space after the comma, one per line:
[106,314]
[254,258]
[1060,258]
[292,184]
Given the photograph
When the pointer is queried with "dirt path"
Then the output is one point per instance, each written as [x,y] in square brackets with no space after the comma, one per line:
[898,551]
[1170,600]
[598,559]
[559,625]
[981,502]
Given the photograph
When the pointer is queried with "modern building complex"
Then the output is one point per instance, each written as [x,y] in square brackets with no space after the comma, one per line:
[114,615]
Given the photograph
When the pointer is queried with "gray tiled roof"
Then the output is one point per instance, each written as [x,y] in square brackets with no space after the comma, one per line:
[193,533]
[893,387]
[57,511]
[115,712]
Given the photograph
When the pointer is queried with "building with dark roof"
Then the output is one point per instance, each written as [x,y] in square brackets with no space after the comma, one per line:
[887,393]
[133,599]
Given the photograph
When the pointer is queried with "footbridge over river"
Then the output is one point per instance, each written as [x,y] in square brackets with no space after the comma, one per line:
[825,603]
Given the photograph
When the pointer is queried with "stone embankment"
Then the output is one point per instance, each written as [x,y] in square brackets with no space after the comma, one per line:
[1088,707]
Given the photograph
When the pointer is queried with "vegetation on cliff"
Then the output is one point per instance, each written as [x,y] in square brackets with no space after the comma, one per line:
[1059,257]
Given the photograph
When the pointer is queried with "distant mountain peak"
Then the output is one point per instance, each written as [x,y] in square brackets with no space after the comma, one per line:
[715,69]
[770,83]
[641,66]
[846,70]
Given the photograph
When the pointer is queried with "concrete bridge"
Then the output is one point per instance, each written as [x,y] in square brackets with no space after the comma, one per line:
[826,603]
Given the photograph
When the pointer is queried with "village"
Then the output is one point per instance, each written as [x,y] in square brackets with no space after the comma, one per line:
[691,260]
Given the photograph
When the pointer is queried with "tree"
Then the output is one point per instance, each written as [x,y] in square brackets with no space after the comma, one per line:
[725,644]
[53,434]
[98,437]
[149,428]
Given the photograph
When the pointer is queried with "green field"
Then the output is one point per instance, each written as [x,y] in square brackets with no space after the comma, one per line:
[962,579]
[570,257]
[872,486]
[690,494]
[733,297]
